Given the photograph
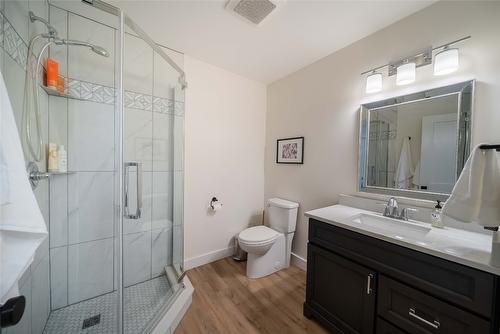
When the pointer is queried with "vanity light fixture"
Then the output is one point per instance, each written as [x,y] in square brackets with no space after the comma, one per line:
[406,74]
[446,61]
[374,82]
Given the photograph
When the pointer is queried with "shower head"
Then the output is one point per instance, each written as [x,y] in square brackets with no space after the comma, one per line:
[96,48]
[99,50]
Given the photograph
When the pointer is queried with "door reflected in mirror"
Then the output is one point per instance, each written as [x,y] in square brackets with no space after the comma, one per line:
[416,143]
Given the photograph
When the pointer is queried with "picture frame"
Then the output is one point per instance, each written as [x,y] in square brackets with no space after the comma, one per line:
[290,150]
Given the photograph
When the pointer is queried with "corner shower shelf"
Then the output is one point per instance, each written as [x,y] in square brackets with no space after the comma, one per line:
[59,173]
[53,92]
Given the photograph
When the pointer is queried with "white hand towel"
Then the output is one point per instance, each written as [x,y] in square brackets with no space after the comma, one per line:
[476,195]
[416,175]
[22,228]
[405,170]
[4,179]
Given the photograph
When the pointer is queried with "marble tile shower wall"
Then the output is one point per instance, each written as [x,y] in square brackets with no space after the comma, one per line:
[83,247]
[15,29]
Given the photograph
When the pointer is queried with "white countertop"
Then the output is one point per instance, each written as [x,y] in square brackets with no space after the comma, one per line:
[465,247]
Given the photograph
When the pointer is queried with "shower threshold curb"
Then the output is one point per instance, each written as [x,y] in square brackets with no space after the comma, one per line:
[171,319]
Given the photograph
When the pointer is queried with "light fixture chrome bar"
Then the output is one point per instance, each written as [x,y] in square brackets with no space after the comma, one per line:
[419,54]
[420,59]
[451,43]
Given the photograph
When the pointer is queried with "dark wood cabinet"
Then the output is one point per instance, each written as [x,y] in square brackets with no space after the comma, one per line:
[341,291]
[360,284]
[419,313]
[384,327]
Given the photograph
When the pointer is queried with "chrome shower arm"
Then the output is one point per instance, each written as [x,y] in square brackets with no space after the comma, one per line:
[51,29]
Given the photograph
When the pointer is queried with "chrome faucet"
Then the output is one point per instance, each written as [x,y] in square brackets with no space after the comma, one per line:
[403,215]
[392,210]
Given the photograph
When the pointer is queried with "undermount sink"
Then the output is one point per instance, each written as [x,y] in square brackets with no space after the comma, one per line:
[399,229]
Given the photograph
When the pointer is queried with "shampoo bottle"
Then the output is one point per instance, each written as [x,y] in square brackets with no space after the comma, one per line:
[436,219]
[53,158]
[52,73]
[63,159]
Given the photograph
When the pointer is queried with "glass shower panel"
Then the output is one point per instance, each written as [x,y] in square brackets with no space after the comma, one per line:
[150,165]
[168,156]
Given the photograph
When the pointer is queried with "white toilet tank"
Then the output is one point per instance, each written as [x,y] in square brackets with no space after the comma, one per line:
[282,215]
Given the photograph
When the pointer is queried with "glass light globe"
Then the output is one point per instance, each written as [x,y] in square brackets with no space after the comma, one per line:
[446,61]
[405,74]
[374,83]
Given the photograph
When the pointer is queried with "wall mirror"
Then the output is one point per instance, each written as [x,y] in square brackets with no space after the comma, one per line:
[416,145]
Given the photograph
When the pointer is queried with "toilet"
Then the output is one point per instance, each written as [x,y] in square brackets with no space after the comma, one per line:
[269,246]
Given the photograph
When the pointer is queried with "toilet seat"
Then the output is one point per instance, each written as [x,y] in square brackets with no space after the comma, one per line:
[258,235]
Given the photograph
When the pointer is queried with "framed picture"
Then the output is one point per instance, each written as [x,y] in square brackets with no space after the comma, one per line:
[290,151]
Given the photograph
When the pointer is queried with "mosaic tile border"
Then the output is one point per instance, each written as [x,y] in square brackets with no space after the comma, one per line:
[12,43]
[17,49]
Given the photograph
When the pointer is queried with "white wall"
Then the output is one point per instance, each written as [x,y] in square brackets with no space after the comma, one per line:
[321,101]
[224,157]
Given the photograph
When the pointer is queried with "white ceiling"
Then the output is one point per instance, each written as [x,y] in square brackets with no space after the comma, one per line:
[300,33]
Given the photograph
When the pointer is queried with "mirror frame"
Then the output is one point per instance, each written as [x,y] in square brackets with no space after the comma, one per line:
[364,119]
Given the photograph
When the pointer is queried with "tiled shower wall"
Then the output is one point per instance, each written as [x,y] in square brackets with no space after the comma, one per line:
[83,244]
[15,30]
[82,261]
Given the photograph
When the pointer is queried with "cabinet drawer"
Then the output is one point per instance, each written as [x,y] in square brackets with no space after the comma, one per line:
[419,313]
[383,327]
[458,284]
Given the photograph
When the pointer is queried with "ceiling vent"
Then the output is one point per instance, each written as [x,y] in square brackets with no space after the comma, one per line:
[254,11]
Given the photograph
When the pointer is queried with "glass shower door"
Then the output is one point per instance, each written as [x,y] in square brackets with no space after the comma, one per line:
[152,141]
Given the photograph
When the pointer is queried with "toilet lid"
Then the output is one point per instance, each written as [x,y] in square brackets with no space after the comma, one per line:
[257,234]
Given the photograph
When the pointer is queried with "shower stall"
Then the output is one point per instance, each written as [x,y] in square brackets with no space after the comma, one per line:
[113,261]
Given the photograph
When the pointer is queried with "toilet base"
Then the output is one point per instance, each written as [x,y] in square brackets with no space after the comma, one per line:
[272,261]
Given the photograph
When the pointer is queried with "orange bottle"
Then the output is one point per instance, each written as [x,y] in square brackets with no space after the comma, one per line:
[52,73]
[60,84]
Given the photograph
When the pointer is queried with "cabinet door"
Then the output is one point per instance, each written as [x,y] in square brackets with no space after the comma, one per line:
[340,291]
[383,327]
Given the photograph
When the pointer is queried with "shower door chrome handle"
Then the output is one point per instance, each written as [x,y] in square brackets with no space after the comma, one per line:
[138,210]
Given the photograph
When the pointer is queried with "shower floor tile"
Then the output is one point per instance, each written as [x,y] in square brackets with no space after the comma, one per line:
[141,302]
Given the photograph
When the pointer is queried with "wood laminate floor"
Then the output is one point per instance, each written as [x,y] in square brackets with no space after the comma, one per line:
[226,301]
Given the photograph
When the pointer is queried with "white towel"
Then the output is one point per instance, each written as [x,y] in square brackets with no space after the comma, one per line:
[4,179]
[405,170]
[22,228]
[476,195]
[416,175]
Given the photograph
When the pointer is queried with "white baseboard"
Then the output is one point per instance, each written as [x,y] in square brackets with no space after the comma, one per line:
[298,261]
[200,260]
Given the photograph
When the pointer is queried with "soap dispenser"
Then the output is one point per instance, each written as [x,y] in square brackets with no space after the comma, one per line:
[436,219]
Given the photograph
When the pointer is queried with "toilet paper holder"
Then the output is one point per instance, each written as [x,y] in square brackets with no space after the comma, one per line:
[215,204]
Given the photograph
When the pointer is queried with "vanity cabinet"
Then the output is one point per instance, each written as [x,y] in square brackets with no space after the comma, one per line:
[360,284]
[341,290]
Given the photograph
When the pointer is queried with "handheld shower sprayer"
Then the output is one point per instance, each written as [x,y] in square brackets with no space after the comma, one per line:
[95,48]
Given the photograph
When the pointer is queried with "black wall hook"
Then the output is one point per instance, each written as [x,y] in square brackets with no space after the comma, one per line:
[12,311]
